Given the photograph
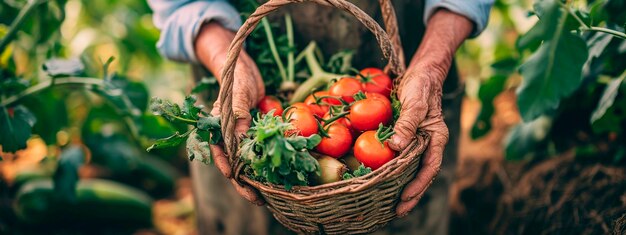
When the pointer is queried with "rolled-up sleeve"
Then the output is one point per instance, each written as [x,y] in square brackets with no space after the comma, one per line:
[180,20]
[475,10]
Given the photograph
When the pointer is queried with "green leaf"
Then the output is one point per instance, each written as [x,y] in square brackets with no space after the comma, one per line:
[208,123]
[50,109]
[597,43]
[340,62]
[172,141]
[277,159]
[554,71]
[522,141]
[16,125]
[549,13]
[198,149]
[487,93]
[313,141]
[607,99]
[275,150]
[505,66]
[10,85]
[189,109]
[66,175]
[64,67]
[361,171]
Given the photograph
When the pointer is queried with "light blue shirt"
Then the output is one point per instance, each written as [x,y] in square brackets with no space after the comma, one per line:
[180,20]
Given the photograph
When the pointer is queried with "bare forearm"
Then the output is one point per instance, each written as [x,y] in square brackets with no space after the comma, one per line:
[445,32]
[211,46]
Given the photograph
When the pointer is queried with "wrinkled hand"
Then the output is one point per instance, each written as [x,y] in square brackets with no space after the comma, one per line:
[420,94]
[211,47]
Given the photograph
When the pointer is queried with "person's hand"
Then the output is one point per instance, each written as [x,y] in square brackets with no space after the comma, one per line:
[211,48]
[420,93]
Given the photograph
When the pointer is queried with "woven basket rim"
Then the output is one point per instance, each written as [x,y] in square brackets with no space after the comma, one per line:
[304,193]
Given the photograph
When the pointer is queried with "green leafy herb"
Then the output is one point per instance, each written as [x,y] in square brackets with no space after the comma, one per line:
[276,158]
[205,127]
[172,141]
[361,171]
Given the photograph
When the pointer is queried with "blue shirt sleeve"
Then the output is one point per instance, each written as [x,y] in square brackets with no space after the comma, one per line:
[475,10]
[180,20]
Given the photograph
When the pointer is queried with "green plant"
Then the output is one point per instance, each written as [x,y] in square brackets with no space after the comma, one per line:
[569,95]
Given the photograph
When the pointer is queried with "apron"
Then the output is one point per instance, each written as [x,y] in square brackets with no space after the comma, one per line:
[221,211]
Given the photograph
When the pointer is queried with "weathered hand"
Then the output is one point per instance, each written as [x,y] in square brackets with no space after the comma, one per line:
[211,47]
[420,94]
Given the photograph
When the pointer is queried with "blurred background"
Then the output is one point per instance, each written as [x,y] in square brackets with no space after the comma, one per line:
[561,169]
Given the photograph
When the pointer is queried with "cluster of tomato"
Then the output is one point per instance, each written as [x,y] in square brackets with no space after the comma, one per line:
[348,116]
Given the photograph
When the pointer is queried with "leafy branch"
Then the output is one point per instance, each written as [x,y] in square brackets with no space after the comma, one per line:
[204,126]
[17,23]
[586,27]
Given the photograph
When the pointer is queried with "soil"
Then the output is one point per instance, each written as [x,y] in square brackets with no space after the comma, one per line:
[561,195]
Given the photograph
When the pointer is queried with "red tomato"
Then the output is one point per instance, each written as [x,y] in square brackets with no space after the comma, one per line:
[269,103]
[376,81]
[369,151]
[368,113]
[302,119]
[338,143]
[345,88]
[377,96]
[318,109]
[298,105]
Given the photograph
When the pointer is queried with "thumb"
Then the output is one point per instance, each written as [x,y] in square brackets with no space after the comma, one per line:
[414,111]
[407,124]
[215,111]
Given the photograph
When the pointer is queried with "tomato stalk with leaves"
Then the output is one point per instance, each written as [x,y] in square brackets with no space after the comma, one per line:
[571,82]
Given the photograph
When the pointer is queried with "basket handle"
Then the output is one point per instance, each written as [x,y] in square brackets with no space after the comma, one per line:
[228,119]
[391,27]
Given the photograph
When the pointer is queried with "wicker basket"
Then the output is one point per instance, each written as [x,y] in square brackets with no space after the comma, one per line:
[358,205]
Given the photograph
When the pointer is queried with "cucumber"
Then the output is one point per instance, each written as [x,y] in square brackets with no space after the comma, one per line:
[97,202]
[24,176]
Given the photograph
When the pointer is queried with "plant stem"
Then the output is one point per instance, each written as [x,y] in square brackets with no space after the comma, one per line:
[318,77]
[606,30]
[69,81]
[270,40]
[15,25]
[586,27]
[290,59]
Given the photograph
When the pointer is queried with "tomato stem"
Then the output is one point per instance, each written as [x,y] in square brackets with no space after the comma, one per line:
[284,116]
[323,132]
[334,118]
[343,102]
[359,96]
[365,78]
[384,133]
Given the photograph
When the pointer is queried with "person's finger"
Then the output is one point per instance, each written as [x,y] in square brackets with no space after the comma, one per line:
[243,121]
[221,160]
[248,193]
[431,163]
[414,101]
[404,208]
[215,111]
